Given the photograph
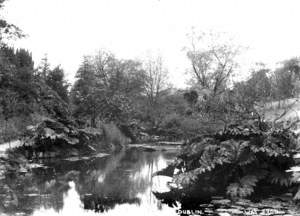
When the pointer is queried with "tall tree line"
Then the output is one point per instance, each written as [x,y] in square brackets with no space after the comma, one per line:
[110,89]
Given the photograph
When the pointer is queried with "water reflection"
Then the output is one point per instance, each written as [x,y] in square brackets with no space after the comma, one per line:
[121,184]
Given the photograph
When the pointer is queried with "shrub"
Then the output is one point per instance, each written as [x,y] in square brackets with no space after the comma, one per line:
[114,136]
[171,126]
[185,127]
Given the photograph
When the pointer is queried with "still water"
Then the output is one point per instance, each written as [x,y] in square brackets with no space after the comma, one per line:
[119,184]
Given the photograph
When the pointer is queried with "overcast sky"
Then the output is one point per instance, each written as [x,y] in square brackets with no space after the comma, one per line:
[68,29]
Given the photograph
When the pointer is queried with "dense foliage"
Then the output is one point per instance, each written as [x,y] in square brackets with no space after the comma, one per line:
[240,160]
[105,88]
[25,96]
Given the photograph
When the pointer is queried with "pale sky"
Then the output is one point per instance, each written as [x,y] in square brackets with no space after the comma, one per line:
[68,29]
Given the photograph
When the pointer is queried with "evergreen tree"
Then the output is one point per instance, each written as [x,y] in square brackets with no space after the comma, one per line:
[24,76]
[83,92]
[44,68]
[55,79]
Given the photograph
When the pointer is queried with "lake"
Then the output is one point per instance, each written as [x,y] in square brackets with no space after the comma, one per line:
[118,184]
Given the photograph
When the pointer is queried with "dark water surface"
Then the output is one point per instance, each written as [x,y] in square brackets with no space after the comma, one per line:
[119,184]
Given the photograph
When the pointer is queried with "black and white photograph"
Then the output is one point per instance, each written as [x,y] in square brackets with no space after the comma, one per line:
[149,108]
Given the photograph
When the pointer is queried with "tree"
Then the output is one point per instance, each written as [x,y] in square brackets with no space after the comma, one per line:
[44,68]
[56,80]
[212,61]
[17,75]
[111,77]
[107,88]
[104,64]
[254,91]
[285,79]
[24,76]
[117,75]
[133,78]
[83,92]
[155,84]
[8,30]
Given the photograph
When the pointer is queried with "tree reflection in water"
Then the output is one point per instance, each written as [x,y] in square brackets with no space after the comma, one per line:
[101,184]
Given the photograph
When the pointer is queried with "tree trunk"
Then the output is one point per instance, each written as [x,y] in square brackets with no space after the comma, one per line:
[93,121]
